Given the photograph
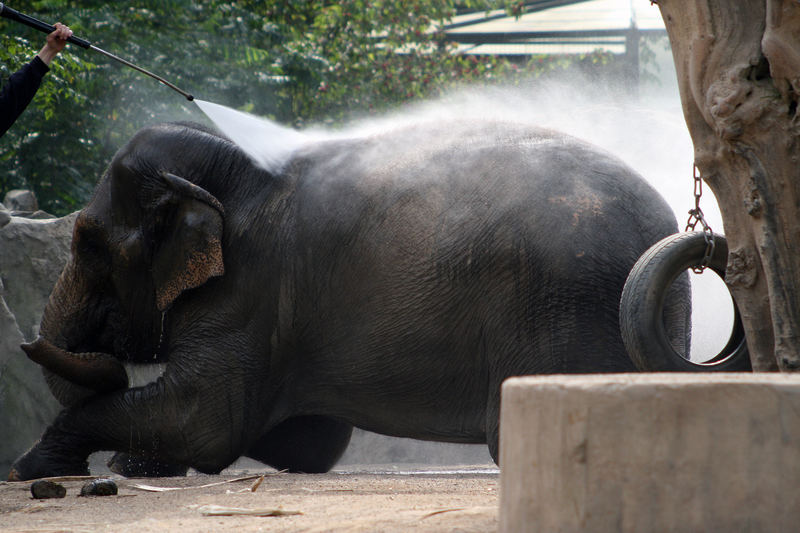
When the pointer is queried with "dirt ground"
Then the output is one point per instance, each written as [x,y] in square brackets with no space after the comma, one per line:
[461,499]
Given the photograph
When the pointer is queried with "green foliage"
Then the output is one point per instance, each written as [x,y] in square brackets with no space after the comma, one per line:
[32,146]
[295,61]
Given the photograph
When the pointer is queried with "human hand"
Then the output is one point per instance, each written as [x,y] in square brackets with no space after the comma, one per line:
[56,41]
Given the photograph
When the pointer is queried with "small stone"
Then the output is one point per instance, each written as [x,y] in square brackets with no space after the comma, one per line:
[43,489]
[41,215]
[21,200]
[99,487]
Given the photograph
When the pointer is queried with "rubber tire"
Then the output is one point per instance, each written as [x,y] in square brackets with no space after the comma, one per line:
[642,304]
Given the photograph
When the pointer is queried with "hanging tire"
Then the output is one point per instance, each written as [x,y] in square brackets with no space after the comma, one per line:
[642,307]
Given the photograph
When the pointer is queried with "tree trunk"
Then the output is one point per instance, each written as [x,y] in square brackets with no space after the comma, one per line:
[738,66]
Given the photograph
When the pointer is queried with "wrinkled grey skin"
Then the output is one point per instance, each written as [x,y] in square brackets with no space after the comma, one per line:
[390,283]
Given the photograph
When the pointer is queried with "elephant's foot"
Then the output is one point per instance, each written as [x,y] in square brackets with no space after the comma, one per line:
[133,466]
[38,463]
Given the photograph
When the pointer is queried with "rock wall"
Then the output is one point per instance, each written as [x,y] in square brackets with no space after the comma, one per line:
[32,254]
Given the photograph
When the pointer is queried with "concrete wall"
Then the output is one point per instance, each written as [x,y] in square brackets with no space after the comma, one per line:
[650,452]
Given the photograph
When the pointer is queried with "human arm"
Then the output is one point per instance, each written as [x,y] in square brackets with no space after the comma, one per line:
[23,84]
[56,41]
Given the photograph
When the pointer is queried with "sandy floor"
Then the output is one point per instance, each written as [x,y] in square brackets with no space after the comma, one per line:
[363,500]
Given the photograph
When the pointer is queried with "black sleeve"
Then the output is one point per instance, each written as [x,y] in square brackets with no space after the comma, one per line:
[19,91]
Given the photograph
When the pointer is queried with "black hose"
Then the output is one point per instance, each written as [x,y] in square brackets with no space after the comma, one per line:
[37,24]
[13,14]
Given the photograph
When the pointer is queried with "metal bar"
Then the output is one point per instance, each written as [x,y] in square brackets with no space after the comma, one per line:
[519,36]
[143,71]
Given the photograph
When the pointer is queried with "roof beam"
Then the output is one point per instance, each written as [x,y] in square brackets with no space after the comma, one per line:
[530,7]
[522,36]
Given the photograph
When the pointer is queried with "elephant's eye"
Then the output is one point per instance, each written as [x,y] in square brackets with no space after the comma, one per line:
[89,238]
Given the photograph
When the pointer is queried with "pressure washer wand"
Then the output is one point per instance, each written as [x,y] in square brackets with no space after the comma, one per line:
[37,24]
[143,71]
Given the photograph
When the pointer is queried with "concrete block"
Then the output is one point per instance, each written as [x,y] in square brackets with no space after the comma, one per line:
[650,452]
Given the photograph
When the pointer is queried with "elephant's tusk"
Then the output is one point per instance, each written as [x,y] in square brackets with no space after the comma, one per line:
[98,371]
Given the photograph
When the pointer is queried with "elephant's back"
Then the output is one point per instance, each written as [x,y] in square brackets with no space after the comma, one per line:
[513,238]
[469,178]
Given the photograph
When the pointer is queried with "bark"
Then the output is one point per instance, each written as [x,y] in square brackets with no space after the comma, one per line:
[738,67]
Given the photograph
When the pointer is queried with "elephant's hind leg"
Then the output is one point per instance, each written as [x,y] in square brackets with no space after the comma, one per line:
[493,426]
[310,444]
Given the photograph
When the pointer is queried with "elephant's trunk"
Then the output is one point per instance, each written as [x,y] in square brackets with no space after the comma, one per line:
[94,370]
[70,315]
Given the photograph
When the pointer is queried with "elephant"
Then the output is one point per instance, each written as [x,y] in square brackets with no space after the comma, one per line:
[388,281]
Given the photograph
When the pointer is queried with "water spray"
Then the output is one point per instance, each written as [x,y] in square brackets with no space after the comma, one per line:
[37,24]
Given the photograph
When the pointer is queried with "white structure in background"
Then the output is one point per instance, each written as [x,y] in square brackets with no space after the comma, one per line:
[555,27]
[573,27]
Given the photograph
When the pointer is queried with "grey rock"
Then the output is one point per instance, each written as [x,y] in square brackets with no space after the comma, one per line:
[99,487]
[5,218]
[32,255]
[32,214]
[43,489]
[21,200]
[34,252]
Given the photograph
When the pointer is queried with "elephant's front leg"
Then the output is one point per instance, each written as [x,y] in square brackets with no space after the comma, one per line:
[52,455]
[160,421]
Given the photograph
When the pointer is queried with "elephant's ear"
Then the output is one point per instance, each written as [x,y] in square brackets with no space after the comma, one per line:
[187,227]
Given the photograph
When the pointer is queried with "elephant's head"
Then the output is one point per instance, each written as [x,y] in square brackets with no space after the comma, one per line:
[146,236]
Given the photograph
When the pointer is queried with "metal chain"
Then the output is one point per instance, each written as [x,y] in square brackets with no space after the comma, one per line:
[695,216]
